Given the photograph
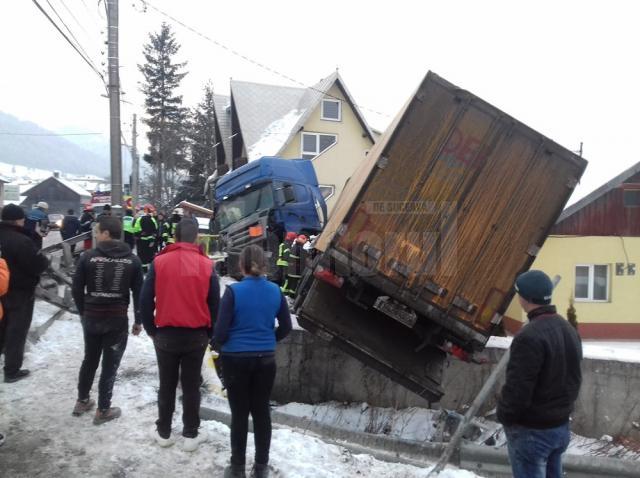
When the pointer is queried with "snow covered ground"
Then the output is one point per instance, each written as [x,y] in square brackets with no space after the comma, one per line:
[44,440]
[617,350]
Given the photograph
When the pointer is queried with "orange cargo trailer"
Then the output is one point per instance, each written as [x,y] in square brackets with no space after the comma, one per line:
[425,242]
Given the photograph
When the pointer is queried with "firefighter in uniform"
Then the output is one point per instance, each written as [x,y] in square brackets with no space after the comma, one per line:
[284,250]
[146,231]
[128,226]
[297,260]
[169,227]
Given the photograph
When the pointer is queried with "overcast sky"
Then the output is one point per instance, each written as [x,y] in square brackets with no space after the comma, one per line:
[569,69]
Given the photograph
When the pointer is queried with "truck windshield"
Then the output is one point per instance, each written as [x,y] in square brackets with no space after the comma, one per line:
[240,206]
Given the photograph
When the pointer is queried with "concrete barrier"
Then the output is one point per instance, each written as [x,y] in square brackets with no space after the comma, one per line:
[311,370]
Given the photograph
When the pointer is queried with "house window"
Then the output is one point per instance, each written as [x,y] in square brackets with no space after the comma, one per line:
[315,143]
[631,197]
[592,282]
[327,190]
[331,110]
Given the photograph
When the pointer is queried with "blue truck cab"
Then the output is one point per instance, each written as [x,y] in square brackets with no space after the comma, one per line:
[261,201]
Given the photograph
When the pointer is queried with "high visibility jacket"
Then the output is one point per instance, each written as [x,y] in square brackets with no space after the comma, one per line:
[169,232]
[297,259]
[283,255]
[128,224]
[146,228]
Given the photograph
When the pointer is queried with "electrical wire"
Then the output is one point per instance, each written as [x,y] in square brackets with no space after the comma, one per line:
[251,60]
[87,61]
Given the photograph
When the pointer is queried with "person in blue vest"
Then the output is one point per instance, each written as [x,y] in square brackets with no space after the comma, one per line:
[37,223]
[246,335]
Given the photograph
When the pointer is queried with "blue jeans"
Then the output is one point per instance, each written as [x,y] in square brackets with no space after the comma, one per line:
[537,453]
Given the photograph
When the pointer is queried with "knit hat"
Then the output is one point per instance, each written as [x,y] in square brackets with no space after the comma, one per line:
[12,212]
[535,287]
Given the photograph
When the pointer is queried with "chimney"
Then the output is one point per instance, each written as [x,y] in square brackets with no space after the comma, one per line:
[56,174]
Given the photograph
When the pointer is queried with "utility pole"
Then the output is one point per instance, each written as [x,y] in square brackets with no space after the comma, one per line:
[135,165]
[114,102]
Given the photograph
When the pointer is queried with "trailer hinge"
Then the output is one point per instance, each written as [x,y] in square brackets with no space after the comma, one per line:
[370,251]
[399,267]
[382,162]
[396,311]
[497,318]
[463,304]
[533,250]
[342,229]
[435,289]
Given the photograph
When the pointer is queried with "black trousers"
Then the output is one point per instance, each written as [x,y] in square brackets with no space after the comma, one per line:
[146,250]
[14,328]
[249,381]
[130,239]
[180,353]
[106,338]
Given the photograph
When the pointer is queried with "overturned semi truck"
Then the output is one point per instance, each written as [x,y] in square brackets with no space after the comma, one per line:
[422,249]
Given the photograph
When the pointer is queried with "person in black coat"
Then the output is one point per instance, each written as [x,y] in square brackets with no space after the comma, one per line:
[25,266]
[70,227]
[542,383]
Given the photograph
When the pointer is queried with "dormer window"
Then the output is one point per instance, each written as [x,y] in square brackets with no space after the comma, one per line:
[331,110]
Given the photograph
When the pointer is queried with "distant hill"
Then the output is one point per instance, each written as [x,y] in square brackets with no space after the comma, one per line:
[47,152]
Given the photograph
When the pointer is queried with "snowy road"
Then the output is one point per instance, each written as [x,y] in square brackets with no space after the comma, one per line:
[44,440]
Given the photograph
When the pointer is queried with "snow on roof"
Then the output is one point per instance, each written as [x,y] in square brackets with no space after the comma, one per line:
[76,188]
[273,136]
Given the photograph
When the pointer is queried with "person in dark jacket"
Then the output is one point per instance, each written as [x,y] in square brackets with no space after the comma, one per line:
[70,227]
[296,264]
[25,265]
[246,335]
[146,229]
[183,290]
[37,223]
[542,383]
[101,284]
[86,224]
[282,262]
[169,227]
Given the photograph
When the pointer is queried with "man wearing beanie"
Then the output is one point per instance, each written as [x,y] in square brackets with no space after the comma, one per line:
[542,383]
[25,266]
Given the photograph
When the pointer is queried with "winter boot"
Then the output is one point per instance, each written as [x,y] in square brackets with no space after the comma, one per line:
[104,416]
[259,471]
[234,471]
[162,442]
[192,444]
[19,375]
[83,406]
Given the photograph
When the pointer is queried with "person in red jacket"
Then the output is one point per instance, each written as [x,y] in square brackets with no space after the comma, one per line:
[183,290]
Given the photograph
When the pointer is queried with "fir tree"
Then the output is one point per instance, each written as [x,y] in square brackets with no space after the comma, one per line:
[202,148]
[166,117]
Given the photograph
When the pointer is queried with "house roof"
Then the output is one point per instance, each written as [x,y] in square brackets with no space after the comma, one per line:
[601,191]
[80,191]
[222,105]
[270,116]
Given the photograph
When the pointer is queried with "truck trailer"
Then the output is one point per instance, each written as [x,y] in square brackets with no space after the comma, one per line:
[421,252]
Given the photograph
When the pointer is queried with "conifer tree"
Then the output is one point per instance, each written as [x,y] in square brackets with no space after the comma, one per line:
[203,144]
[165,115]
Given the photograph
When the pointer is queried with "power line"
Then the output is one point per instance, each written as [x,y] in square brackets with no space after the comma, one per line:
[9,133]
[70,42]
[70,32]
[251,60]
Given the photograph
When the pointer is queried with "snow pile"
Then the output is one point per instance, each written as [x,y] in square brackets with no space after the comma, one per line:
[618,351]
[274,136]
[43,439]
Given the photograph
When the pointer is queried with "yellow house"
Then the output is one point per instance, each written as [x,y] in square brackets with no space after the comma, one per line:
[595,248]
[321,123]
